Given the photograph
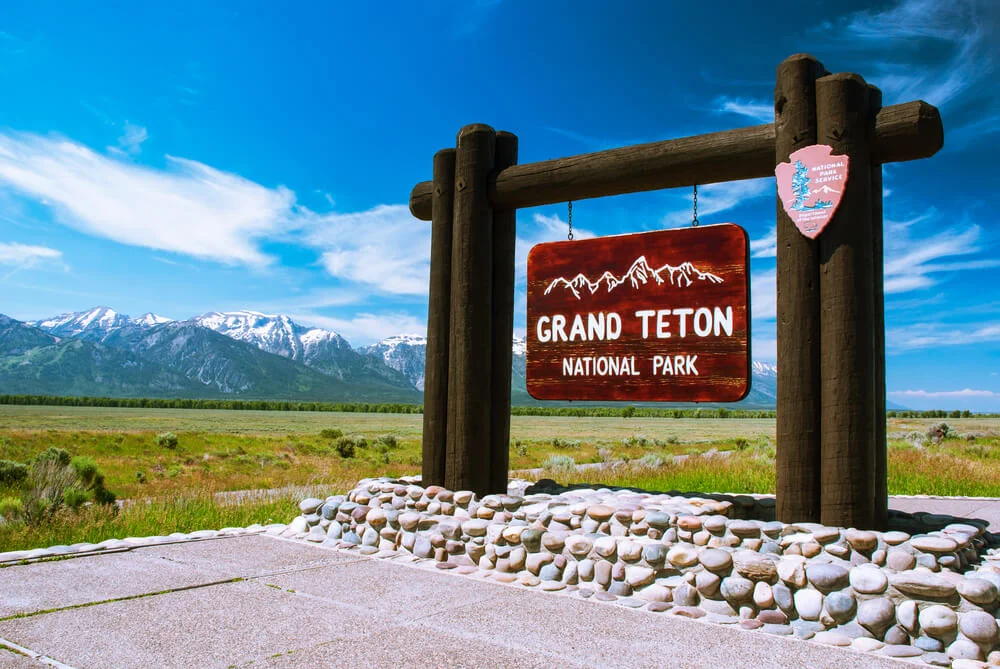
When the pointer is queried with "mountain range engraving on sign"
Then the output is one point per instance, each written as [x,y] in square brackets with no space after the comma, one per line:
[656,316]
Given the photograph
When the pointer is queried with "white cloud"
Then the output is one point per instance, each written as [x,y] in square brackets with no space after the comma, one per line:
[130,142]
[766,246]
[765,349]
[188,208]
[364,328]
[758,110]
[383,247]
[966,392]
[714,199]
[910,261]
[24,255]
[544,229]
[763,295]
[934,335]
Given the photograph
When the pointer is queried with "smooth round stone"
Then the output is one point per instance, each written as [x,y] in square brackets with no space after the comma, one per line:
[682,555]
[716,559]
[949,562]
[832,639]
[783,598]
[329,510]
[751,624]
[773,529]
[826,535]
[553,586]
[962,663]
[659,607]
[810,549]
[579,546]
[654,554]
[928,560]
[744,529]
[658,520]
[656,593]
[928,644]
[602,596]
[620,589]
[754,566]
[839,550]
[922,584]
[877,615]
[375,517]
[351,537]
[892,650]
[531,539]
[602,573]
[937,659]
[866,644]
[631,602]
[618,571]
[868,580]
[978,591]
[685,595]
[896,636]
[689,523]
[792,571]
[707,583]
[979,626]
[630,551]
[894,537]
[906,614]
[600,512]
[777,630]
[638,576]
[550,572]
[554,542]
[965,650]
[841,606]
[585,570]
[463,497]
[934,544]
[605,546]
[687,612]
[309,505]
[772,617]
[808,603]
[763,598]
[861,540]
[900,560]
[938,621]
[736,589]
[714,524]
[827,577]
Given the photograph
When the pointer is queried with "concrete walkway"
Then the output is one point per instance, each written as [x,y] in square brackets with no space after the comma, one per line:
[262,601]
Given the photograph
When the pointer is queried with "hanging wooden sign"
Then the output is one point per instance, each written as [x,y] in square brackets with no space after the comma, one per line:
[657,316]
[810,186]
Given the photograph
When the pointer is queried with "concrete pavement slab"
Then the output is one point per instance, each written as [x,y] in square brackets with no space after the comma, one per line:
[11,660]
[407,646]
[247,556]
[215,626]
[61,583]
[962,507]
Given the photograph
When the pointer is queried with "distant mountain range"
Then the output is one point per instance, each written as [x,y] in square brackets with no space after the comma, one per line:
[237,355]
[639,274]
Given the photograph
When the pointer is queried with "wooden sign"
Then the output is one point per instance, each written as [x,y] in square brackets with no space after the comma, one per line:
[657,316]
[810,186]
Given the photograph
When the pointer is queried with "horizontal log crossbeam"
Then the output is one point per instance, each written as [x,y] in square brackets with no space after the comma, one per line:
[907,131]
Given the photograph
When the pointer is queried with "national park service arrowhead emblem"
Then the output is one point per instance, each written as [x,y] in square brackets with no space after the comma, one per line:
[810,186]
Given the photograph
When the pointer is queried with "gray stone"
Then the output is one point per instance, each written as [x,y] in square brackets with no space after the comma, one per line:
[550,572]
[772,617]
[938,621]
[877,615]
[928,644]
[827,577]
[922,584]
[792,571]
[638,576]
[744,529]
[894,538]
[934,544]
[897,636]
[685,595]
[716,560]
[658,520]
[826,535]
[654,554]
[309,505]
[755,566]
[937,659]
[906,614]
[965,650]
[586,570]
[832,639]
[620,589]
[841,606]
[978,591]
[708,583]
[862,541]
[736,589]
[979,626]
[329,510]
[784,599]
[891,650]
[808,603]
[602,573]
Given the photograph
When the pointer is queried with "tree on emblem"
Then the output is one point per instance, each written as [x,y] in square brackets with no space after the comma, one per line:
[800,189]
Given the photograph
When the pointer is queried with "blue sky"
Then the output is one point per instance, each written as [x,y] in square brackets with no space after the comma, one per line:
[186,157]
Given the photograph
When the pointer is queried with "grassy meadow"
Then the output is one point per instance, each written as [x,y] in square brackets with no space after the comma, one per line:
[166,465]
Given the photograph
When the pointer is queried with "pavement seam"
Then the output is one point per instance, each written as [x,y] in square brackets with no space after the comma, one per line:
[34,655]
[32,614]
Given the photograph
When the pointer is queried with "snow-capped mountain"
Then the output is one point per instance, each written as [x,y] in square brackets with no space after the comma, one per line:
[639,274]
[95,324]
[150,319]
[405,353]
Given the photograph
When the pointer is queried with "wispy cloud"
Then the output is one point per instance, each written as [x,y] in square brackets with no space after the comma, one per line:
[130,142]
[763,295]
[935,335]
[766,246]
[542,229]
[24,255]
[189,208]
[758,110]
[384,247]
[716,198]
[966,392]
[912,260]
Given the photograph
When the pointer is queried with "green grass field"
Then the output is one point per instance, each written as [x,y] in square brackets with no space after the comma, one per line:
[218,451]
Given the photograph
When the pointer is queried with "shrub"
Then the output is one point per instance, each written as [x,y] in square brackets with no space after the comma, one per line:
[331,433]
[140,476]
[86,470]
[387,440]
[560,463]
[742,444]
[628,412]
[12,473]
[565,443]
[75,497]
[605,454]
[53,454]
[938,433]
[166,440]
[651,460]
[519,448]
[11,508]
[345,447]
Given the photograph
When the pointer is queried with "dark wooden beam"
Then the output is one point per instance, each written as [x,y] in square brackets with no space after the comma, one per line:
[435,432]
[903,132]
[881,511]
[847,314]
[504,242]
[797,458]
[467,465]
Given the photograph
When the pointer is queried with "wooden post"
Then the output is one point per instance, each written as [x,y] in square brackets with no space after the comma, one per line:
[467,464]
[881,521]
[798,323]
[435,432]
[847,318]
[504,243]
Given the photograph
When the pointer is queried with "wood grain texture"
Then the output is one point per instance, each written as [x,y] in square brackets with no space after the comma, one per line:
[847,318]
[907,131]
[504,246]
[722,364]
[435,432]
[470,361]
[797,458]
[881,510]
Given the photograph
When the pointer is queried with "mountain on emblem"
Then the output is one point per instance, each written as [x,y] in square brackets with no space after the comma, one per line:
[638,275]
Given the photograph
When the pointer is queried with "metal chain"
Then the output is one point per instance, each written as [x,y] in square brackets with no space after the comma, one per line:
[569,218]
[694,221]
